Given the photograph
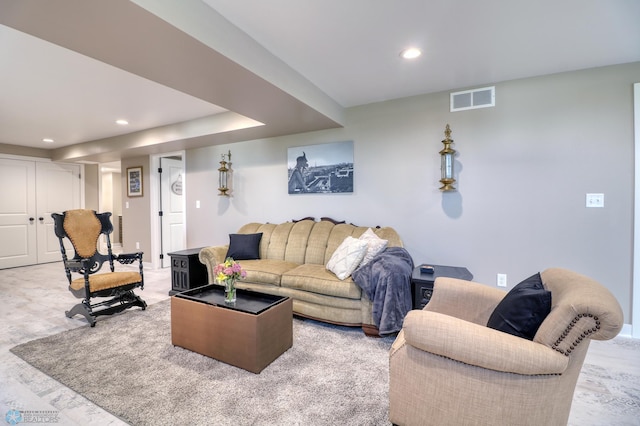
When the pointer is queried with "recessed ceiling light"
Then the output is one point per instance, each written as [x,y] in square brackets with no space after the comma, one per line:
[410,53]
[47,140]
[122,122]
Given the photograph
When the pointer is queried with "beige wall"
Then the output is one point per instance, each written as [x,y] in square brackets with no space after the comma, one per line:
[91,188]
[135,217]
[523,168]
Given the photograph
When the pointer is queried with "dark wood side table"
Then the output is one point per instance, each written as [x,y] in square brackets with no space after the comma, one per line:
[186,271]
[422,283]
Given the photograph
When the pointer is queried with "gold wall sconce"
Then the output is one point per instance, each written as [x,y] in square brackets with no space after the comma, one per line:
[223,174]
[447,156]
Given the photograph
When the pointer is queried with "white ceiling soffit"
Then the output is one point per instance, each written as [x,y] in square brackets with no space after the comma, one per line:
[162,56]
[43,77]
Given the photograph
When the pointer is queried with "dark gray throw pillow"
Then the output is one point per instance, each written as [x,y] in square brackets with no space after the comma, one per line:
[523,309]
[244,246]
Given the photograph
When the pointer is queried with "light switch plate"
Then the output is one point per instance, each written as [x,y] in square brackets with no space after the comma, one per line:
[595,200]
[501,280]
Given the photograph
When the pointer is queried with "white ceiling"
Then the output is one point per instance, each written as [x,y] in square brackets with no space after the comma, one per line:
[350,49]
[347,49]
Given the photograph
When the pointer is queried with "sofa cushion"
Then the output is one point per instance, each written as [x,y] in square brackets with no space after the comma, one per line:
[523,309]
[317,279]
[375,245]
[347,257]
[244,246]
[267,271]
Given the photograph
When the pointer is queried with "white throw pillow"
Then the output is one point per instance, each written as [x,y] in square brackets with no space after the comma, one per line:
[347,257]
[375,245]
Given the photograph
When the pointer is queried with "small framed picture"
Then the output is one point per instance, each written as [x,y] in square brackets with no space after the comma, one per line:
[134,181]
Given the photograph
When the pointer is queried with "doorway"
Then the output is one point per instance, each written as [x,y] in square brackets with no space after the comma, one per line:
[168,225]
[110,200]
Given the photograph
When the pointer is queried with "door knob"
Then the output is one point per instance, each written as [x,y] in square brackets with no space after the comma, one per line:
[41,219]
[31,219]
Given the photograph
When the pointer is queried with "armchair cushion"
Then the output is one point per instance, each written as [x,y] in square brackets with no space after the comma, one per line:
[99,282]
[244,246]
[523,309]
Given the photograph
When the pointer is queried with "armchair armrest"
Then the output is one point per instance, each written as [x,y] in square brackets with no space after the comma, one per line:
[212,256]
[479,346]
[82,266]
[463,299]
[75,265]
[128,258]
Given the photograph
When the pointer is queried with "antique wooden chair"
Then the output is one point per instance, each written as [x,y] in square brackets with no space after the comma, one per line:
[83,228]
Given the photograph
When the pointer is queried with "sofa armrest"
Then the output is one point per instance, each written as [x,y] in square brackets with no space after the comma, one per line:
[478,345]
[467,300]
[212,256]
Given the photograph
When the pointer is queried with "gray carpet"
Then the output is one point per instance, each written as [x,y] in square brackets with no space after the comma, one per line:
[127,365]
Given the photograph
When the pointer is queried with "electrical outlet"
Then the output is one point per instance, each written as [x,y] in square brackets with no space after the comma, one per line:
[595,200]
[501,280]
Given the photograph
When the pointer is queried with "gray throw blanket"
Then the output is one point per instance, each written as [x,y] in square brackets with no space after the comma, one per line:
[386,280]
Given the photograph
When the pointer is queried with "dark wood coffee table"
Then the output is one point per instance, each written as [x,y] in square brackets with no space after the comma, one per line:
[250,334]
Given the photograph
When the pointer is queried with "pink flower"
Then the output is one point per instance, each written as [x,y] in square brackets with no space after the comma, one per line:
[230,269]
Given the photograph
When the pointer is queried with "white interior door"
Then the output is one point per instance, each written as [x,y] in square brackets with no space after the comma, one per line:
[58,189]
[172,205]
[17,213]
[29,192]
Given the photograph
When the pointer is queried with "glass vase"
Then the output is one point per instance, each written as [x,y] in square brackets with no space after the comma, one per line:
[230,291]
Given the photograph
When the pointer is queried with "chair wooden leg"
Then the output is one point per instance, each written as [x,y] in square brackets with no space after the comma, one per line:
[84,310]
[132,299]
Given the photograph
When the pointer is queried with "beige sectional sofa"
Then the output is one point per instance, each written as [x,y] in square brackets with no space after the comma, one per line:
[292,259]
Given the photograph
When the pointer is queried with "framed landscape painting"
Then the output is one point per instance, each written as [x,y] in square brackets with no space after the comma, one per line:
[321,169]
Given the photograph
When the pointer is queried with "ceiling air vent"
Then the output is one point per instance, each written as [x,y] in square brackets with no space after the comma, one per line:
[472,99]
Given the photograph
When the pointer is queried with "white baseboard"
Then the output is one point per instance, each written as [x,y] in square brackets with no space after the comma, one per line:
[627,331]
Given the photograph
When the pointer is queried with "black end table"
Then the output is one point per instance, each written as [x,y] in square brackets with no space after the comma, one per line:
[186,271]
[422,283]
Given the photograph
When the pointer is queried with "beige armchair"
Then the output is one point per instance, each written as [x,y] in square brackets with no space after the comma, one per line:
[447,368]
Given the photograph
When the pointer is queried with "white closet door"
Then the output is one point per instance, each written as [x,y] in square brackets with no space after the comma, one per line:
[18,221]
[29,192]
[58,189]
